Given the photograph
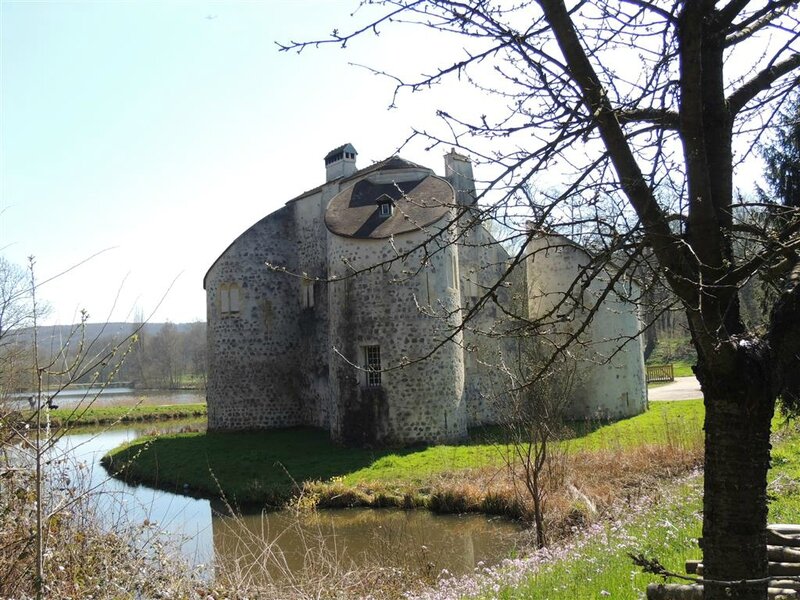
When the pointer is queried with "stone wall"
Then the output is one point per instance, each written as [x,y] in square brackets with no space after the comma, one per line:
[609,359]
[251,384]
[484,262]
[268,364]
[399,308]
[287,348]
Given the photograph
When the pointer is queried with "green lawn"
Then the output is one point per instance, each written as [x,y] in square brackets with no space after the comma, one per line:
[109,415]
[601,567]
[682,369]
[253,467]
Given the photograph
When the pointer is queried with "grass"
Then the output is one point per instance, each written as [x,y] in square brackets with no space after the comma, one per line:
[663,521]
[682,369]
[598,564]
[270,466]
[109,415]
[784,476]
[260,466]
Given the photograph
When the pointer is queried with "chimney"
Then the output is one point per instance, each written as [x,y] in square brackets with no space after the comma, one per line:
[340,162]
[458,171]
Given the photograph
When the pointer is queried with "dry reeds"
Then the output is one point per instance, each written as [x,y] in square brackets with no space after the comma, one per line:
[581,486]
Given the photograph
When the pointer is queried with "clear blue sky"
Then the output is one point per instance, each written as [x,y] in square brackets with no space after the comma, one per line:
[155,132]
[162,130]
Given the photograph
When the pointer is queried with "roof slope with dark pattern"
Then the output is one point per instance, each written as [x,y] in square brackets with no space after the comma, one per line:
[355,212]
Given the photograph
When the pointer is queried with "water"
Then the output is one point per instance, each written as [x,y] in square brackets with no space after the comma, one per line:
[353,536]
[114,397]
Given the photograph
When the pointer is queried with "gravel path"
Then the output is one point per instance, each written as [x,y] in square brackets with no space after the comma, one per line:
[683,388]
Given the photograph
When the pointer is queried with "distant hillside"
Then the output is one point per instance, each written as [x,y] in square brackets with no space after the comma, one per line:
[59,334]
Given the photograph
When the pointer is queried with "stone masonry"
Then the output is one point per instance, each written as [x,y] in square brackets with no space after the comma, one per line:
[339,311]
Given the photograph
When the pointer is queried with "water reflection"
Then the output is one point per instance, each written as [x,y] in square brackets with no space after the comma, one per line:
[415,539]
[187,521]
[384,537]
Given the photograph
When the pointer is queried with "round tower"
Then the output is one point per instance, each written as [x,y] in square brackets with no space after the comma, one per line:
[395,377]
[610,380]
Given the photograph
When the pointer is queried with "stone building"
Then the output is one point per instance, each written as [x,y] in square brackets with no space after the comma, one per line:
[339,310]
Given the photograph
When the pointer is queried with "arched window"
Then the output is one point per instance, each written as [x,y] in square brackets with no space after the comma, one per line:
[229,299]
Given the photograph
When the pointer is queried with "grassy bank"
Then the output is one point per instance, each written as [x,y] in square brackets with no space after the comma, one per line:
[273,466]
[597,564]
[110,415]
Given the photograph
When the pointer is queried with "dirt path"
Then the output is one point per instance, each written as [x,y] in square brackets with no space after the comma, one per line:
[683,388]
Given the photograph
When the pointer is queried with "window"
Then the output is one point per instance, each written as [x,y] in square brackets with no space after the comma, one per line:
[430,286]
[385,206]
[471,358]
[372,364]
[473,292]
[229,303]
[307,293]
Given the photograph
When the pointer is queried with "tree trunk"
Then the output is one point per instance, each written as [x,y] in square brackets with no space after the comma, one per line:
[739,408]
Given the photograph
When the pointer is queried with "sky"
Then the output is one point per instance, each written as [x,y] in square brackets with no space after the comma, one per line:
[138,139]
[149,135]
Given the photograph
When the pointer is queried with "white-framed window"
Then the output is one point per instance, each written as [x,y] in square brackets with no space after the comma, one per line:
[307,293]
[372,366]
[229,299]
[385,206]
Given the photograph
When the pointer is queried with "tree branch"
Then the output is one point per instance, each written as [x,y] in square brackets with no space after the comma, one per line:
[762,81]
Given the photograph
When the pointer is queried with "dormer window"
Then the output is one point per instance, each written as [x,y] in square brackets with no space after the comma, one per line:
[385,206]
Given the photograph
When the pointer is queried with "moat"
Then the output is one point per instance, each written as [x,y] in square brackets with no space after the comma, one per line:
[206,533]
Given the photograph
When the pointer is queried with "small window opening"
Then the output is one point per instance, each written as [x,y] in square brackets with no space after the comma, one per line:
[453,274]
[372,365]
[472,288]
[385,206]
[229,303]
[385,209]
[332,159]
[307,293]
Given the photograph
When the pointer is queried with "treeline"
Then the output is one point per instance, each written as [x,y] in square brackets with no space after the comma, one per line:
[172,357]
[146,356]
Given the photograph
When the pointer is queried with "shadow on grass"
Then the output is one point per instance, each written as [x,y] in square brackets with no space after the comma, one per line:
[499,434]
[268,467]
[251,466]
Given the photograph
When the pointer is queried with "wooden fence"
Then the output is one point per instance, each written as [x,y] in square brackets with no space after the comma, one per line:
[784,570]
[660,373]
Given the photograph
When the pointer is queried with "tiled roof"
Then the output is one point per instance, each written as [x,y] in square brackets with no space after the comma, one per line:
[354,212]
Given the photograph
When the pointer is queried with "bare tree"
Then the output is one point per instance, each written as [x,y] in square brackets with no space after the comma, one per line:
[15,313]
[534,419]
[650,105]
